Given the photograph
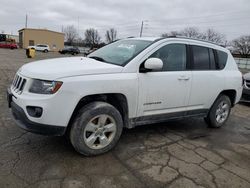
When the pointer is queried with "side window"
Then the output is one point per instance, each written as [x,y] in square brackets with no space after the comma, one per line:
[212,60]
[200,58]
[31,43]
[222,59]
[173,57]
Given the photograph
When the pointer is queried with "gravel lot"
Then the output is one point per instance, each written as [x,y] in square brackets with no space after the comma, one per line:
[181,153]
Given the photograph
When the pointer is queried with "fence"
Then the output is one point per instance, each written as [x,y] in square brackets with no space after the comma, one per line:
[243,63]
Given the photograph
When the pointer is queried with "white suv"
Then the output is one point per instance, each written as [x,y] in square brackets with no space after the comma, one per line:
[41,47]
[128,83]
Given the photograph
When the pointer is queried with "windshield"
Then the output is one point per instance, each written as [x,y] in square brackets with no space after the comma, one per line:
[120,52]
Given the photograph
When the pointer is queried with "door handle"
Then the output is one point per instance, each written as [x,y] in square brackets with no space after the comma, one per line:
[183,78]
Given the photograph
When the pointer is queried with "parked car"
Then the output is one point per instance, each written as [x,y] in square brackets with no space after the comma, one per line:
[246,88]
[41,47]
[71,50]
[8,45]
[127,83]
[90,51]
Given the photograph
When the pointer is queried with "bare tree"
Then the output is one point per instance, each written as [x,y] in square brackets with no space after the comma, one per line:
[111,35]
[242,45]
[191,32]
[171,33]
[214,36]
[92,37]
[70,34]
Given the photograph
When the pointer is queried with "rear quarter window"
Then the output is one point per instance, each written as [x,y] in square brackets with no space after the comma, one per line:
[222,59]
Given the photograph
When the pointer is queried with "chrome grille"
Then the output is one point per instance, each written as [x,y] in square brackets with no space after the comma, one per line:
[18,84]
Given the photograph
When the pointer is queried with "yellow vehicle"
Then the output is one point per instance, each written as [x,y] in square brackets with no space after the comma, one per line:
[30,53]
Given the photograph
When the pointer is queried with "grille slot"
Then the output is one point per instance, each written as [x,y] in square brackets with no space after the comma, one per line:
[247,83]
[18,84]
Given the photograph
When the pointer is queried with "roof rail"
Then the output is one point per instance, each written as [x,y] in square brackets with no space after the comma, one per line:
[184,37]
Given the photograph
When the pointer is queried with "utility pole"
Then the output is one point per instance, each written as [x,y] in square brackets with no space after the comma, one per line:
[26,21]
[141,29]
[78,24]
[78,40]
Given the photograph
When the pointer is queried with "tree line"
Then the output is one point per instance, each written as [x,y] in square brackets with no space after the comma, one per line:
[240,45]
[92,38]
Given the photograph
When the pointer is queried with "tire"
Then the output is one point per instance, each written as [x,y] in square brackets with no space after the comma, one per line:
[219,112]
[87,134]
[45,51]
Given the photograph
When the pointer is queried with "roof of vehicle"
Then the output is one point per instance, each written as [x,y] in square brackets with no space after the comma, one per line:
[144,38]
[180,38]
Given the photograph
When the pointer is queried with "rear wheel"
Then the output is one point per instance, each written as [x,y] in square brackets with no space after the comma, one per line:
[46,51]
[219,112]
[96,129]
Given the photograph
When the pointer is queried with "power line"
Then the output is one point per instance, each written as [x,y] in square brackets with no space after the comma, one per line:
[206,16]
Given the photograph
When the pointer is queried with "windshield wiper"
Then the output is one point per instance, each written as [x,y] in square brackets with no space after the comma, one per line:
[97,58]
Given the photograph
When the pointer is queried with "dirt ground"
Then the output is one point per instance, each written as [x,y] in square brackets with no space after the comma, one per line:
[182,153]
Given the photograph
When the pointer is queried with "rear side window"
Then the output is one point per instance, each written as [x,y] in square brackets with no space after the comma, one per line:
[200,58]
[222,59]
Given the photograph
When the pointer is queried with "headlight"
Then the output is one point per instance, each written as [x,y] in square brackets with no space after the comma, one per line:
[45,87]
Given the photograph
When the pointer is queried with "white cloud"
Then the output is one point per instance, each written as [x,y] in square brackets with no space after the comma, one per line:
[227,16]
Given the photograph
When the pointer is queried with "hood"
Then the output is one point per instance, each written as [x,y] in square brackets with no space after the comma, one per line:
[247,76]
[52,69]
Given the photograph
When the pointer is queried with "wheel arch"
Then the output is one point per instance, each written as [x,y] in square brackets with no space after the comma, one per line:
[231,93]
[118,100]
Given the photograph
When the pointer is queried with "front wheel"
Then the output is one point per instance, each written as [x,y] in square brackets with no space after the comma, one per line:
[219,112]
[46,51]
[96,129]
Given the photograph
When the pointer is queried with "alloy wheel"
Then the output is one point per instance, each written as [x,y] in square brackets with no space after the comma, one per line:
[99,131]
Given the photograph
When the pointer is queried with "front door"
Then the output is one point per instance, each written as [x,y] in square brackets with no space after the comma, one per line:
[166,91]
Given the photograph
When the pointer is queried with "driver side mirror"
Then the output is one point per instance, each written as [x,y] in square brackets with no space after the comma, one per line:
[151,64]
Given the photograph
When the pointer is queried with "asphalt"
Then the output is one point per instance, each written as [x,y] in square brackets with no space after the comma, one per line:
[184,153]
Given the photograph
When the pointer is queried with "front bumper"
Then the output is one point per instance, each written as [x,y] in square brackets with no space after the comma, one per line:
[246,91]
[245,95]
[22,121]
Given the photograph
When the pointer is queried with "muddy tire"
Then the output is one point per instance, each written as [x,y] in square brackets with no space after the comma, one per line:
[96,129]
[219,112]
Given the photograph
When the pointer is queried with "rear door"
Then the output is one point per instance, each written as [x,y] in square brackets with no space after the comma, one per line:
[207,79]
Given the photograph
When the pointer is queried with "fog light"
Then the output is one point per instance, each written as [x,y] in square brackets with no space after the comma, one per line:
[34,111]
